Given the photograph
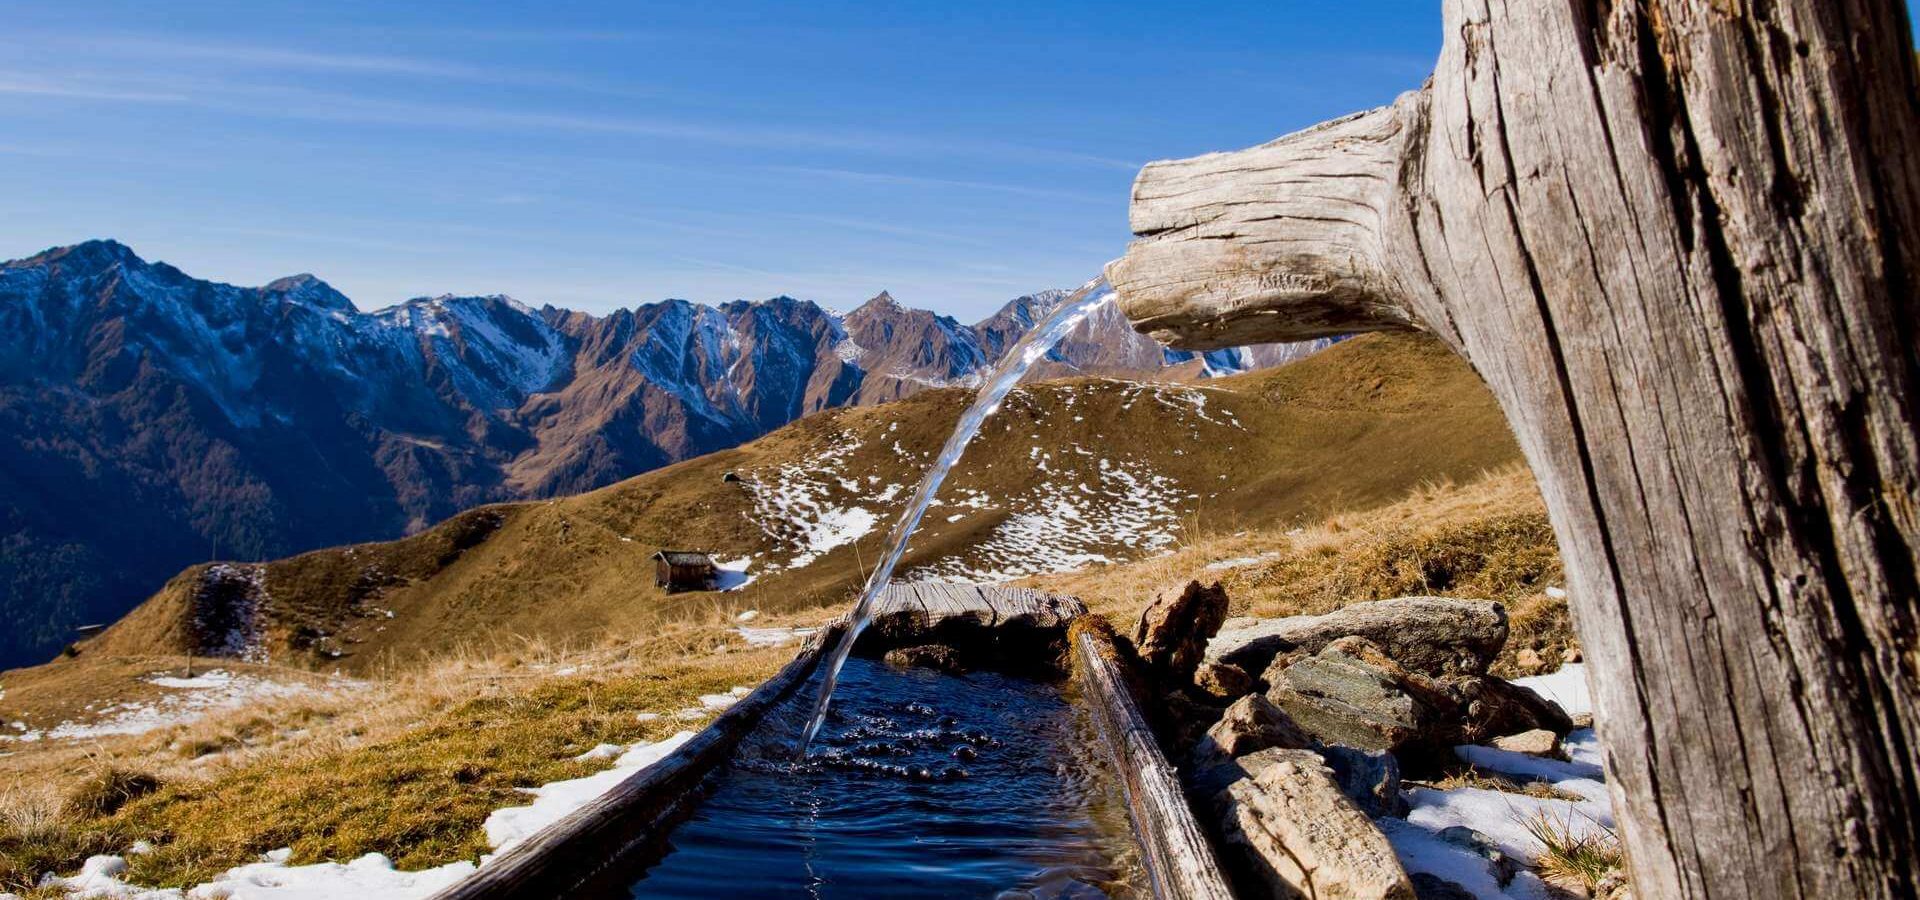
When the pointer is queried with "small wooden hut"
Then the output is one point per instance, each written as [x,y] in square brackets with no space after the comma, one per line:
[684,570]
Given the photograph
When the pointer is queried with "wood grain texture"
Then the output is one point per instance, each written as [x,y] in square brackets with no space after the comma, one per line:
[1678,240]
[920,612]
[1178,857]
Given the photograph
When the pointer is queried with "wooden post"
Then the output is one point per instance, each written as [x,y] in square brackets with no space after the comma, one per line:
[1679,239]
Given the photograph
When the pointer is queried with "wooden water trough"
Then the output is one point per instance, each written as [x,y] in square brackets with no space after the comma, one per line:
[598,849]
[1179,860]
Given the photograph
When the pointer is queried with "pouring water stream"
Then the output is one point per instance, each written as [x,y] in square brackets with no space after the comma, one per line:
[1038,340]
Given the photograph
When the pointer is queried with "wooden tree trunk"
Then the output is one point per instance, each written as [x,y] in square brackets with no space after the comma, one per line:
[1679,240]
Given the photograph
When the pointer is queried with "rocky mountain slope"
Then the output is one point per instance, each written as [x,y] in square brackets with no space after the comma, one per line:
[149,419]
[1069,473]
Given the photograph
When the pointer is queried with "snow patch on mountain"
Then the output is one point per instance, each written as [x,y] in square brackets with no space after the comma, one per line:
[795,504]
[1069,521]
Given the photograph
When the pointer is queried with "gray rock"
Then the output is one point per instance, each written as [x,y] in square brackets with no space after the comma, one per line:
[1493,707]
[1500,866]
[1301,836]
[1172,636]
[1370,778]
[1345,699]
[1428,886]
[1434,636]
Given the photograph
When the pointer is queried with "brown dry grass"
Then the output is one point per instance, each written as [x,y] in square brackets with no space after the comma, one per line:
[1487,538]
[409,768]
[465,702]
[1353,427]
[1466,776]
[1573,857]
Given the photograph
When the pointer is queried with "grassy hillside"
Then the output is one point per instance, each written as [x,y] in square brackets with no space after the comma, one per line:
[411,766]
[1486,539]
[1076,470]
[485,653]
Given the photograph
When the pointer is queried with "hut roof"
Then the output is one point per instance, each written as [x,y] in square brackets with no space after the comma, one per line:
[684,558]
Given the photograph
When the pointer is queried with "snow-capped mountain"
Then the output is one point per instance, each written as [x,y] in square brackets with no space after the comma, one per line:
[149,419]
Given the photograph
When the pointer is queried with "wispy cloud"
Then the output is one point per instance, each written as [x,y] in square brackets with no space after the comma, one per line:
[266,56]
[70,90]
[888,228]
[929,181]
[133,72]
[144,53]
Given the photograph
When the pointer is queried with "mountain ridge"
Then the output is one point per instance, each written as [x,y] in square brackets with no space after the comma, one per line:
[149,419]
[1069,473]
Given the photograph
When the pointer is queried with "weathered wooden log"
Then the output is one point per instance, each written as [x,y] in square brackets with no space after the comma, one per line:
[1178,858]
[1679,240]
[992,626]
[597,848]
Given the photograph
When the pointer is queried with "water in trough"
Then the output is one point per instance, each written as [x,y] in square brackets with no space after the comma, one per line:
[920,785]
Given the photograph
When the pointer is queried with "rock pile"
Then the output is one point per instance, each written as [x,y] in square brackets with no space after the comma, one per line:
[1296,730]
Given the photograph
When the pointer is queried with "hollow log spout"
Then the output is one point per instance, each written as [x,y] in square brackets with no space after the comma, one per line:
[1679,240]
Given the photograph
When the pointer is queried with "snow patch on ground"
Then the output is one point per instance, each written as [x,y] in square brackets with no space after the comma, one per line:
[772,637]
[1180,399]
[1503,816]
[806,509]
[1069,521]
[731,574]
[190,699]
[1240,562]
[552,802]
[373,877]
[1566,686]
[1421,850]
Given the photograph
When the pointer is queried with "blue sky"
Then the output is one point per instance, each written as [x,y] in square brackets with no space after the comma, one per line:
[595,155]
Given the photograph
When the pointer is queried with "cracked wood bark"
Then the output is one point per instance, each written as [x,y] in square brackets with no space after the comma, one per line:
[1678,241]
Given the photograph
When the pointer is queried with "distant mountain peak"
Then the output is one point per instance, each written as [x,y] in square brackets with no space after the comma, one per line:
[882,300]
[101,253]
[310,290]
